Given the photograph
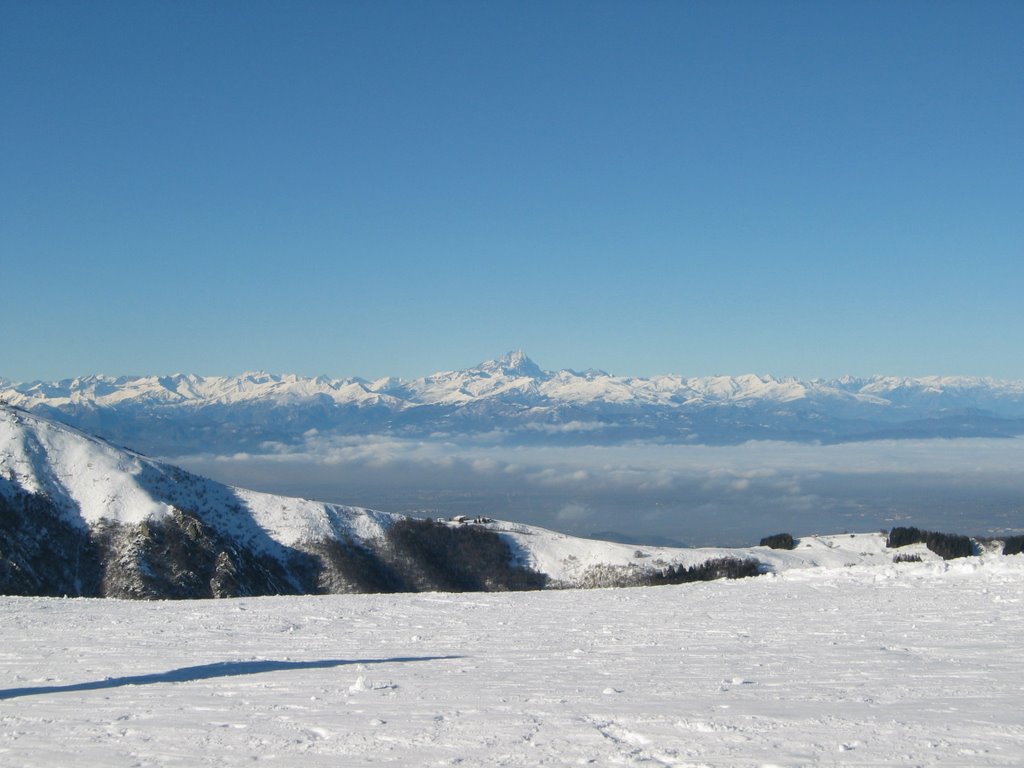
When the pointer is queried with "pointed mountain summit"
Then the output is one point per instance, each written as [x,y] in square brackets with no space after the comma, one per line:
[515,363]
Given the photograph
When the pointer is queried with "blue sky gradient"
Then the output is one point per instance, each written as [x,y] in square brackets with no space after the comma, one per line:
[795,188]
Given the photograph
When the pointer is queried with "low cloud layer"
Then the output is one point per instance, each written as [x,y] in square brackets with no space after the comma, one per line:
[691,494]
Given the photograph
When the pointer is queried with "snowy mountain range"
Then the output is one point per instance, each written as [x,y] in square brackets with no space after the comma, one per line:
[79,516]
[513,400]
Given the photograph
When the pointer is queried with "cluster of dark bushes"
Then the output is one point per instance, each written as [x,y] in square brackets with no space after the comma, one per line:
[1013,545]
[906,558]
[414,556]
[347,566]
[946,545]
[709,570]
[607,576]
[428,555]
[779,541]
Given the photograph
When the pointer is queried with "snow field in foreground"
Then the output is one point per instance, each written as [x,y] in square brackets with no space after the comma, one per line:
[918,664]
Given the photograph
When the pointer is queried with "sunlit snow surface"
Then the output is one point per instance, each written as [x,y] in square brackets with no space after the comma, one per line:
[909,664]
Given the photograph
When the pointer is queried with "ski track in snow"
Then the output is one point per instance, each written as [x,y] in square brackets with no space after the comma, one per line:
[916,664]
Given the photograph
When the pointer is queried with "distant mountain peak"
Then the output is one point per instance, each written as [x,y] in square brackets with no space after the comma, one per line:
[515,362]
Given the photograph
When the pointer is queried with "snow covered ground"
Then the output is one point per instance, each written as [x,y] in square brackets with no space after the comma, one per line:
[909,664]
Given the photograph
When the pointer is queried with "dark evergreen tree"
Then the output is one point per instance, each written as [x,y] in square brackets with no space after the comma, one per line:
[779,541]
[1013,545]
[709,570]
[464,558]
[946,545]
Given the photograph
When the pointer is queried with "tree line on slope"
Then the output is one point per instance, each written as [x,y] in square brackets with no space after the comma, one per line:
[608,576]
[180,556]
[946,545]
[424,555]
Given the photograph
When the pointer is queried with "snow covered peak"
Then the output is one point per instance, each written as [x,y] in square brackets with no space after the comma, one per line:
[91,480]
[515,363]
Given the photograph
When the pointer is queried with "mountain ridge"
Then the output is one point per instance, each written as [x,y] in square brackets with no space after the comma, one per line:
[79,516]
[514,398]
[508,369]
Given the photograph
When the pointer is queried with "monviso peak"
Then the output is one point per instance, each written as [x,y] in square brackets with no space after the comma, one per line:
[514,363]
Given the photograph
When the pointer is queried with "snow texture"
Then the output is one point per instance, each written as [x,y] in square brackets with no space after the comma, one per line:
[898,664]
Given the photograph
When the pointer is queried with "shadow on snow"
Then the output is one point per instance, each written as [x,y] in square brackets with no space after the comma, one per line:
[207,672]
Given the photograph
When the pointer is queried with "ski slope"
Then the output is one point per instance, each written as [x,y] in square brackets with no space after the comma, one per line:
[909,664]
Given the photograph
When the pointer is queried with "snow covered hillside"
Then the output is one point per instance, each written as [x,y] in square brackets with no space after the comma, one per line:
[79,516]
[514,400]
[897,664]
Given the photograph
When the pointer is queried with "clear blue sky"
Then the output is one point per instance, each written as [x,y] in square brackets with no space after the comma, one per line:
[369,188]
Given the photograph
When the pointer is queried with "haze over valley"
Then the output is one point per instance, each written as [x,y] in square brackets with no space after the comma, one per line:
[668,459]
